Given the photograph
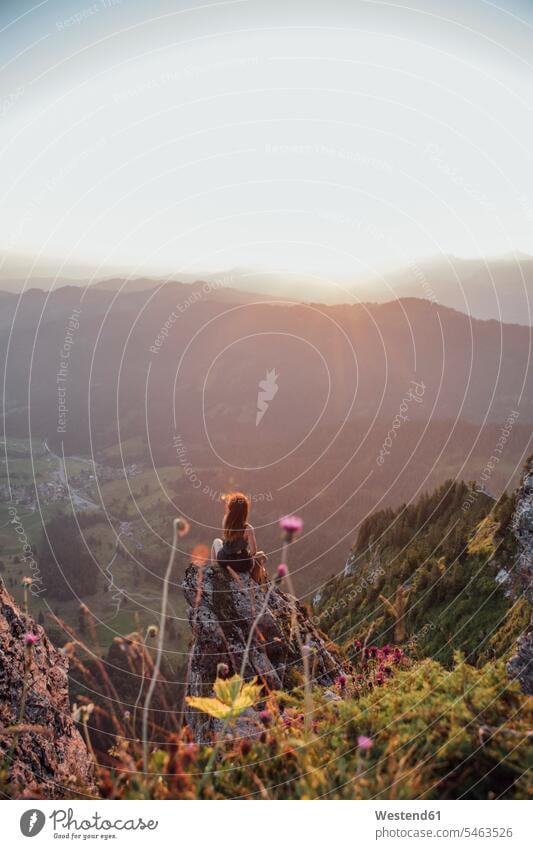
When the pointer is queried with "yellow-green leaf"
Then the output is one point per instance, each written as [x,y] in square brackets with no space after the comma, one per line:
[233,697]
[213,707]
[228,689]
[250,692]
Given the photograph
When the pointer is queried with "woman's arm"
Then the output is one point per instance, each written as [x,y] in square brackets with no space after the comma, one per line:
[250,539]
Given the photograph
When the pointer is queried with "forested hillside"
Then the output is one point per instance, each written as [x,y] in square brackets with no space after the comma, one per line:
[434,575]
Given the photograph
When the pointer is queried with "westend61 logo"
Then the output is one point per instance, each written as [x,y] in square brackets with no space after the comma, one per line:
[66,825]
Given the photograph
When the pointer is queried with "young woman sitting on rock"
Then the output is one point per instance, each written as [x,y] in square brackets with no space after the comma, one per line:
[237,551]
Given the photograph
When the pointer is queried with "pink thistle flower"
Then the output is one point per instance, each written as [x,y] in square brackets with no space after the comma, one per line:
[265,717]
[283,570]
[30,639]
[291,525]
[364,743]
[340,681]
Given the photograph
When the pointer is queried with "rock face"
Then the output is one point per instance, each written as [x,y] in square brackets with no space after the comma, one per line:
[50,759]
[222,610]
[521,665]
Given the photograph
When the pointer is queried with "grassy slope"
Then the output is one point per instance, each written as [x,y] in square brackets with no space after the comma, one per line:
[445,559]
[436,735]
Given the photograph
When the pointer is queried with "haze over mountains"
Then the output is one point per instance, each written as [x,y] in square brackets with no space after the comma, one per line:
[203,349]
[486,288]
[373,402]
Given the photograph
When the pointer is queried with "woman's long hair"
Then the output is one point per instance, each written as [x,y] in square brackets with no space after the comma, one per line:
[236,517]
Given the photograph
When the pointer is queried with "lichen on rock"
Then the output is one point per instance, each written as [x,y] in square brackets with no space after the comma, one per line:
[49,759]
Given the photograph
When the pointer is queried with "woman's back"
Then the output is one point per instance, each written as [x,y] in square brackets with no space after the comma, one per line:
[238,547]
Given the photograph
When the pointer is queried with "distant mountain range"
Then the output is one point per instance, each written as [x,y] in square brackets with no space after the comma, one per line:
[368,404]
[500,289]
[495,288]
[201,352]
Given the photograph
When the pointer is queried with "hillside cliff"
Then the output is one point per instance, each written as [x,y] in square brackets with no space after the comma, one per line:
[521,664]
[435,575]
[42,750]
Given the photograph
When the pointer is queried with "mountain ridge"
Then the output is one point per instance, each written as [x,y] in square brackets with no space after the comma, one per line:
[499,288]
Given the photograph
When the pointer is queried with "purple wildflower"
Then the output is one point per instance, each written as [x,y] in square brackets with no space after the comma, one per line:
[291,525]
[283,570]
[364,743]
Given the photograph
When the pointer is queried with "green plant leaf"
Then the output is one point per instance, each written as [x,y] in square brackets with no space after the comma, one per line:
[213,707]
[233,697]
[228,689]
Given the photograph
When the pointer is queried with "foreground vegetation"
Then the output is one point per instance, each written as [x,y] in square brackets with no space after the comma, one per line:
[427,733]
[432,716]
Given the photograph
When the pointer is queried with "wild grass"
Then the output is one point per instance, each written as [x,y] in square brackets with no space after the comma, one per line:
[393,727]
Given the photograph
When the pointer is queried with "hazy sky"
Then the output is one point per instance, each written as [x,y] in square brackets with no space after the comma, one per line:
[325,136]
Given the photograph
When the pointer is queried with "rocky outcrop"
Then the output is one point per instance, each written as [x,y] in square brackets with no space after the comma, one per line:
[222,610]
[47,756]
[521,665]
